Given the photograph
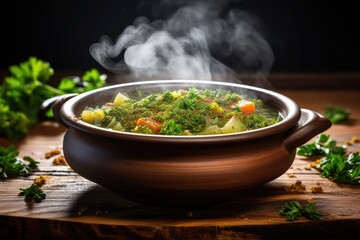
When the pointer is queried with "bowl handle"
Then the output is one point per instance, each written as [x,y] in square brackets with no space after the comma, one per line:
[309,125]
[56,103]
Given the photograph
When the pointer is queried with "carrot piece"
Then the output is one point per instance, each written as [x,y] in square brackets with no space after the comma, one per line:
[151,123]
[247,107]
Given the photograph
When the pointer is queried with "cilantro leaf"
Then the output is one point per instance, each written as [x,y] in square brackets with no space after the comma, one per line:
[23,92]
[33,192]
[335,164]
[293,211]
[309,211]
[12,123]
[12,166]
[322,146]
[91,80]
[337,114]
[341,168]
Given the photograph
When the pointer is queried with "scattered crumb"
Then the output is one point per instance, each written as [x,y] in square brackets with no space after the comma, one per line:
[52,153]
[317,188]
[308,168]
[296,187]
[333,216]
[291,175]
[41,180]
[60,161]
[353,140]
[315,163]
[311,200]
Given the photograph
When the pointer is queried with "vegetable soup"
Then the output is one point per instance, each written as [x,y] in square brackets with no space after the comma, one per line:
[183,112]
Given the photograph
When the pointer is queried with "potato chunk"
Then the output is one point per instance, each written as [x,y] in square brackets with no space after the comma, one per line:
[233,125]
[119,99]
[88,116]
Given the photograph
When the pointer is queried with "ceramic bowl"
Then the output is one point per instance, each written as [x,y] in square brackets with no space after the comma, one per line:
[176,171]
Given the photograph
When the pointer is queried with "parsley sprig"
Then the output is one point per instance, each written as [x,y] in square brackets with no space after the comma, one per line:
[23,92]
[293,210]
[337,114]
[341,168]
[322,146]
[34,192]
[335,163]
[12,166]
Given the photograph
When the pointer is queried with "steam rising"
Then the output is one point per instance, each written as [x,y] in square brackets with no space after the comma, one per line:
[187,46]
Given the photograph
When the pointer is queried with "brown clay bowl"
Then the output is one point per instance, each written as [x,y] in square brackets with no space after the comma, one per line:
[180,171]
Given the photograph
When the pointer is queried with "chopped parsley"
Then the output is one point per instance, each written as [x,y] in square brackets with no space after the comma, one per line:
[337,114]
[341,168]
[322,146]
[34,192]
[27,87]
[293,210]
[11,166]
[334,164]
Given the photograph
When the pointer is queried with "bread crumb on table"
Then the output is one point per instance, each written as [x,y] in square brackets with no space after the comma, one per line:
[52,153]
[317,188]
[41,180]
[60,161]
[291,175]
[353,140]
[297,187]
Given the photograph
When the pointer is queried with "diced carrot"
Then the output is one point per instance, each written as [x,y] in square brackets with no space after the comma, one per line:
[247,107]
[151,123]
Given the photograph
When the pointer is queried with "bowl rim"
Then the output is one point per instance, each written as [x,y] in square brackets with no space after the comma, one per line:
[68,116]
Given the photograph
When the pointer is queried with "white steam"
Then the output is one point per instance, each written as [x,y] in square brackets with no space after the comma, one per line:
[187,46]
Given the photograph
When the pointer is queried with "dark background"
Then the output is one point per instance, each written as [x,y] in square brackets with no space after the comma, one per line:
[306,36]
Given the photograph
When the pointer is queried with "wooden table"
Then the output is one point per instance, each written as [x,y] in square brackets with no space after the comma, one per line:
[76,208]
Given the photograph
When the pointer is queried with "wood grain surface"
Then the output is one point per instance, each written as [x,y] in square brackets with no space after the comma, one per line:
[76,208]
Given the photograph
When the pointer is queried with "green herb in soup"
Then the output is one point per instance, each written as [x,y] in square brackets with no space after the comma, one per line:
[183,112]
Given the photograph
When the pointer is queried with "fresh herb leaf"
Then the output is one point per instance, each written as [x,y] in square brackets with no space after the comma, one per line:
[12,123]
[12,166]
[341,168]
[309,211]
[335,164]
[23,92]
[322,146]
[33,192]
[294,211]
[170,127]
[291,210]
[91,80]
[337,114]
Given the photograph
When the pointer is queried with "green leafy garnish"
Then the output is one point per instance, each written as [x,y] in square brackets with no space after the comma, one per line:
[170,127]
[13,124]
[322,146]
[341,168]
[337,114]
[12,166]
[91,80]
[293,211]
[23,92]
[335,164]
[34,192]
